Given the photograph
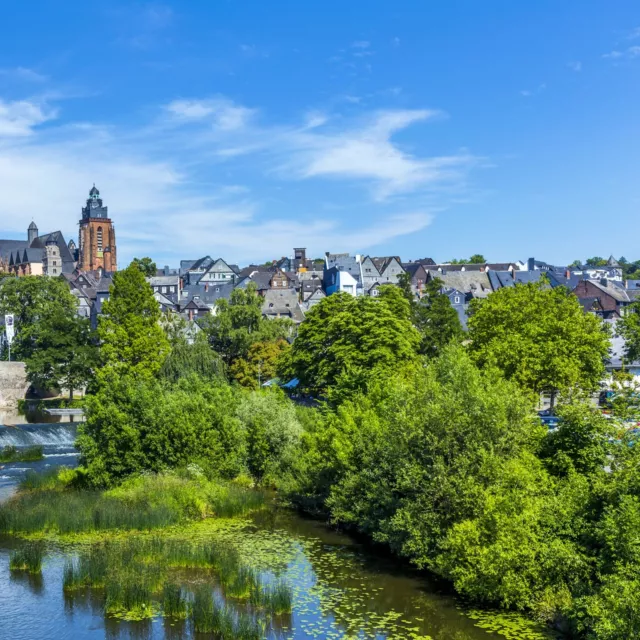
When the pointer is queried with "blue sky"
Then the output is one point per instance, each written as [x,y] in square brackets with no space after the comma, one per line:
[242,129]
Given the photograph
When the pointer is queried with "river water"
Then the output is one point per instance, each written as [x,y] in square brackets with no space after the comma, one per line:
[341,588]
[55,434]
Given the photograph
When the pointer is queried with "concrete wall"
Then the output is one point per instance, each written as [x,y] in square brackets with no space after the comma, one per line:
[13,383]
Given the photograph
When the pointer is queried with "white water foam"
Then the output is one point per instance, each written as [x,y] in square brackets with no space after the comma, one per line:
[61,455]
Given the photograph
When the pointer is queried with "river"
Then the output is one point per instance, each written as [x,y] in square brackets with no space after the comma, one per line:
[341,588]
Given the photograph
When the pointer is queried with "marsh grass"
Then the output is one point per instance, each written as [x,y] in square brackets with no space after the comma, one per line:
[210,616]
[279,598]
[28,558]
[27,454]
[174,602]
[129,597]
[142,503]
[139,578]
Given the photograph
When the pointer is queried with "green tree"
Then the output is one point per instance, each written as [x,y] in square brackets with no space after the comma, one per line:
[433,316]
[576,263]
[628,327]
[31,299]
[197,358]
[238,323]
[146,265]
[596,261]
[346,337]
[582,443]
[436,319]
[540,337]
[438,461]
[140,424]
[272,433]
[260,363]
[132,340]
[63,352]
[476,258]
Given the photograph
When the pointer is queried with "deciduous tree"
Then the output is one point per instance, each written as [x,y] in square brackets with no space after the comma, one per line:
[146,265]
[540,337]
[343,336]
[132,340]
[238,323]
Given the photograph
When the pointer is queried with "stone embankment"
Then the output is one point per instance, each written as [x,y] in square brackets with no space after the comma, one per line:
[13,384]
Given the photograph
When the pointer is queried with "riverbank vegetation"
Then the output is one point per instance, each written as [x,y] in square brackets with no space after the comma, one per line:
[10,453]
[414,439]
[53,506]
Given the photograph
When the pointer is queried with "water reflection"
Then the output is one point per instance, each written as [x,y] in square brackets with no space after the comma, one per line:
[33,581]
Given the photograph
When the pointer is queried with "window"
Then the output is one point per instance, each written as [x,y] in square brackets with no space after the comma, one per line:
[271,305]
[164,289]
[99,238]
[456,300]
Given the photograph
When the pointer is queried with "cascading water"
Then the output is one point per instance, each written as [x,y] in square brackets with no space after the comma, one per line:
[38,434]
[57,441]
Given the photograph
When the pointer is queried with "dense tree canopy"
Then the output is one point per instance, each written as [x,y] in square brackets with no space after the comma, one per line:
[31,299]
[238,323]
[344,336]
[540,337]
[132,340]
[260,363]
[137,424]
[58,347]
[146,265]
[197,357]
[64,353]
[628,327]
[476,258]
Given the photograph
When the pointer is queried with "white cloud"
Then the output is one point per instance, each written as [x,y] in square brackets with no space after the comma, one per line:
[19,118]
[316,119]
[368,154]
[223,113]
[172,191]
[360,44]
[575,66]
[22,73]
[630,52]
[528,93]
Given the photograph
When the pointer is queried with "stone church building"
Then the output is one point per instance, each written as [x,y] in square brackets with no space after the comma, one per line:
[51,255]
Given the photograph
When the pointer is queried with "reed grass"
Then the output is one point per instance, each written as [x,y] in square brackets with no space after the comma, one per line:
[28,558]
[129,597]
[279,598]
[27,454]
[174,603]
[143,503]
[138,576]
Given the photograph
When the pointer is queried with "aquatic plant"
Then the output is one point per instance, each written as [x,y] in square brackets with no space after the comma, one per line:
[279,598]
[26,454]
[128,597]
[144,503]
[27,558]
[174,603]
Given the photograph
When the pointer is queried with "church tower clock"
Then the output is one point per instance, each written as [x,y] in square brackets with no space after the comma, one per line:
[97,237]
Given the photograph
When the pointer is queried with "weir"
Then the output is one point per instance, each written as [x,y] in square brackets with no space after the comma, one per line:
[38,434]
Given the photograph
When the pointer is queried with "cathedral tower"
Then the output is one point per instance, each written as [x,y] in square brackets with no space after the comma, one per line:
[97,237]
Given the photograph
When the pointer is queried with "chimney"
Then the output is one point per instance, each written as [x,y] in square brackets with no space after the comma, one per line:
[603,282]
[531,264]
